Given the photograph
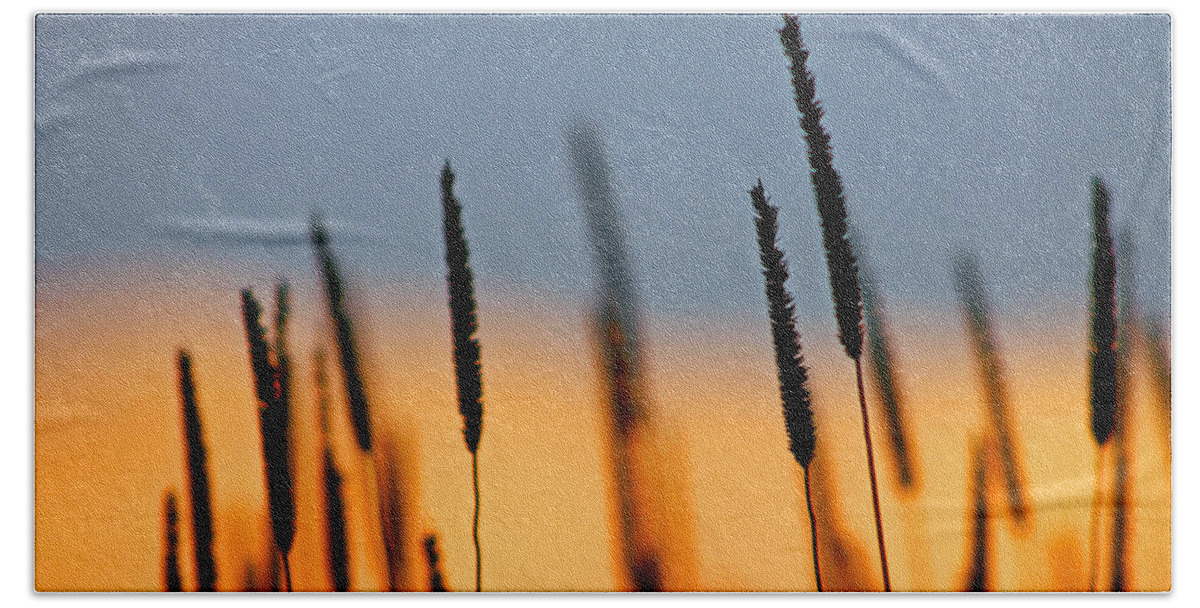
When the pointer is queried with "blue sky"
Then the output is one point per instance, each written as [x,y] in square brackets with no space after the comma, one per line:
[163,134]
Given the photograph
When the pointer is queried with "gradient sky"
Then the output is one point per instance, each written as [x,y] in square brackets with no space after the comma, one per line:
[214,137]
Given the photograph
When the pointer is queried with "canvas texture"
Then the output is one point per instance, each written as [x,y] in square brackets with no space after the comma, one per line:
[720,302]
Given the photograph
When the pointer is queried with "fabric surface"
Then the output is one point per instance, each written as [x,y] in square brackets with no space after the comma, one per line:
[599,302]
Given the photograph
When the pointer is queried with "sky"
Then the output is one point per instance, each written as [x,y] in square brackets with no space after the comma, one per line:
[213,138]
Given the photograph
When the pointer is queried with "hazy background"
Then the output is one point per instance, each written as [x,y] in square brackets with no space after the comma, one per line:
[178,159]
[210,140]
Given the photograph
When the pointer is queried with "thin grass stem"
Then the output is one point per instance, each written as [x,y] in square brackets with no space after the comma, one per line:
[862,402]
[812,522]
[1097,506]
[475,524]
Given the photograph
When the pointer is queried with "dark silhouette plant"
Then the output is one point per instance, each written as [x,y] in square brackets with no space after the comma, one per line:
[197,468]
[987,356]
[789,360]
[335,296]
[978,570]
[171,579]
[331,489]
[618,330]
[335,522]
[1126,338]
[843,269]
[464,325]
[273,416]
[437,581]
[879,349]
[1103,385]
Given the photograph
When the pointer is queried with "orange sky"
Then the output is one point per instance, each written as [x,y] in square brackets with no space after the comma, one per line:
[107,442]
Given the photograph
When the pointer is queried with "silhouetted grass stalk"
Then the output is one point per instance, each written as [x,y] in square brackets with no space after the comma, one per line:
[1094,524]
[464,325]
[331,488]
[618,330]
[979,326]
[884,376]
[335,513]
[197,467]
[271,380]
[789,360]
[1127,312]
[977,572]
[171,579]
[1103,387]
[843,269]
[335,296]
[1120,533]
[392,513]
[356,395]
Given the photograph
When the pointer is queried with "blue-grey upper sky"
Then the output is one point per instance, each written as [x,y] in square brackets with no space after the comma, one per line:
[218,135]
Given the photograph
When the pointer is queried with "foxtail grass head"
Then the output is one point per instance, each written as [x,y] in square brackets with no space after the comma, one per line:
[463,323]
[273,417]
[197,467]
[789,361]
[827,188]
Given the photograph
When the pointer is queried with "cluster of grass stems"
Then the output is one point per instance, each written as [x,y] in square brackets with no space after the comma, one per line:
[618,331]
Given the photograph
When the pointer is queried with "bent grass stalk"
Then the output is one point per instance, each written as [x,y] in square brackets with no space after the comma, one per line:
[843,268]
[1103,386]
[460,282]
[335,296]
[197,467]
[789,360]
[978,317]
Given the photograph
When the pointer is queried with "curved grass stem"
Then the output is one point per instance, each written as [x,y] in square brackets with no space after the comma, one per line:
[812,522]
[475,525]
